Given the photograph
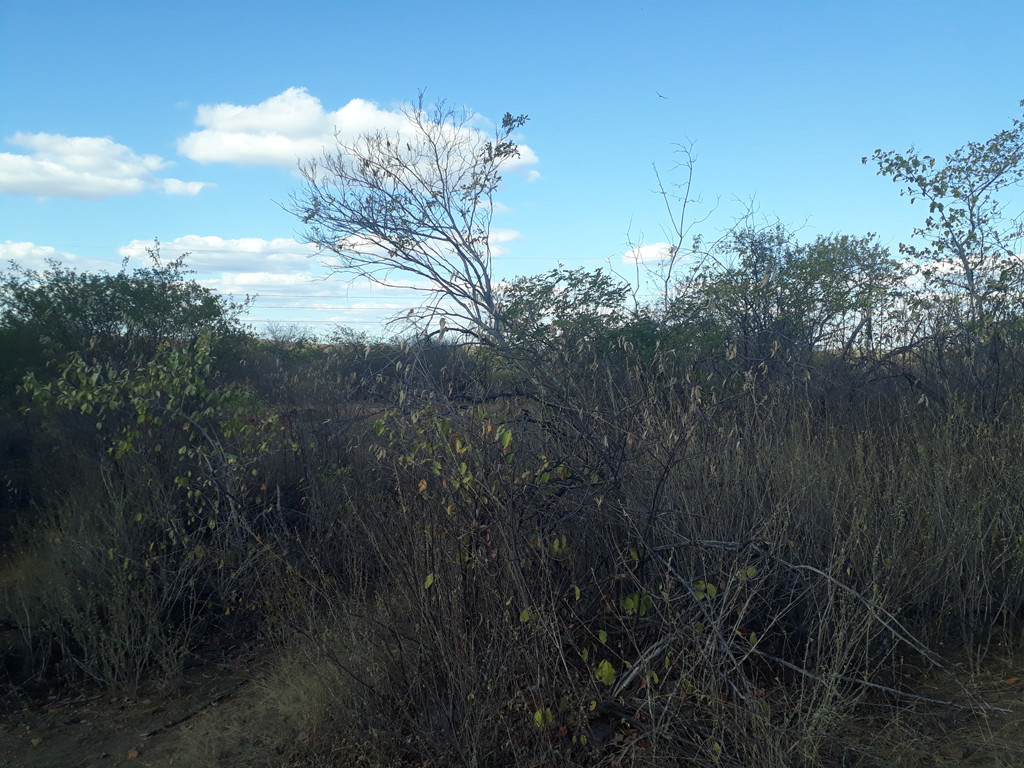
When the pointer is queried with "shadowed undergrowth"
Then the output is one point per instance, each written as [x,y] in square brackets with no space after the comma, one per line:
[736,573]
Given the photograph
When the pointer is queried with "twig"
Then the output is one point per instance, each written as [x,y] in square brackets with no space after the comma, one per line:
[703,608]
[884,688]
[884,617]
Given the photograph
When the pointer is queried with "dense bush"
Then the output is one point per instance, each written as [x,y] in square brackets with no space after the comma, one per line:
[47,315]
[118,320]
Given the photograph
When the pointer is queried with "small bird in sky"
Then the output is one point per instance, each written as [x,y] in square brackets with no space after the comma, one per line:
[660,96]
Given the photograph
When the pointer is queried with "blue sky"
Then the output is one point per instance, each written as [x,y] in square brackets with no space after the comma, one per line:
[122,122]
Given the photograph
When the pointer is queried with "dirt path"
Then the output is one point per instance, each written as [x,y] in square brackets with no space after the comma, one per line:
[151,729]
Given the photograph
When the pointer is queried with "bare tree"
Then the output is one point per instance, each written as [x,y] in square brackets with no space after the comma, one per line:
[414,207]
[684,243]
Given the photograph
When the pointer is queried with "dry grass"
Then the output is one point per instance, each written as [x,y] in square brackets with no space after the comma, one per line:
[735,574]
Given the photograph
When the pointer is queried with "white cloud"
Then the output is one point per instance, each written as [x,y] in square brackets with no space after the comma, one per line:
[288,284]
[291,287]
[525,158]
[254,281]
[184,188]
[32,256]
[648,254]
[499,236]
[209,253]
[279,130]
[290,126]
[281,272]
[82,167]
[504,235]
[370,247]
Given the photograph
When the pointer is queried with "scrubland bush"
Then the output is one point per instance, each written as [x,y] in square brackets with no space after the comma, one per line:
[724,584]
[681,566]
[98,605]
[150,513]
[711,531]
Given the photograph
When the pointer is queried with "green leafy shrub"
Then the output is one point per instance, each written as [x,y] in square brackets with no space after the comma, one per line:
[46,315]
[151,553]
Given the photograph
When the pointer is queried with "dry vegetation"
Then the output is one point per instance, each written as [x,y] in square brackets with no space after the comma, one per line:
[775,520]
[740,573]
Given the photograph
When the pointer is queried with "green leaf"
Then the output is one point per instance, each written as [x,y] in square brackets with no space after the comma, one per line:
[605,672]
[525,615]
[429,581]
[645,605]
[506,439]
[602,636]
[629,604]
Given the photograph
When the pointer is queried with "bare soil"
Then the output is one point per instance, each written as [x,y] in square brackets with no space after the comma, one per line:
[156,727]
[220,715]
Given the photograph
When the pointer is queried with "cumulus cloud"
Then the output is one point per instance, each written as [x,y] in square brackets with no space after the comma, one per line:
[289,284]
[184,188]
[82,167]
[499,236]
[648,254]
[279,130]
[37,257]
[291,126]
[280,268]
[32,256]
[209,253]
[306,299]
[525,158]
[291,287]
